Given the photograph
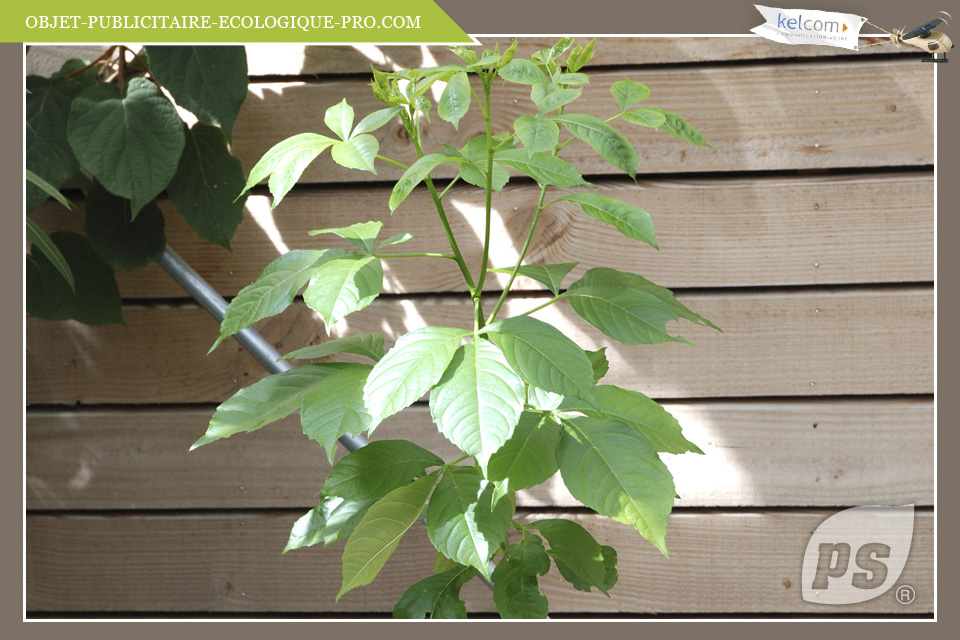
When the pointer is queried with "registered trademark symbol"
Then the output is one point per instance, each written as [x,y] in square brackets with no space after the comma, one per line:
[906,594]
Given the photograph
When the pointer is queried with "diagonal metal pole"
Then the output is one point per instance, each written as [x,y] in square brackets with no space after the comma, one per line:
[251,340]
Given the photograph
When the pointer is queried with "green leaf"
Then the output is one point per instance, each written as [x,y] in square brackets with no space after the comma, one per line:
[210,81]
[550,96]
[628,93]
[339,119]
[357,153]
[611,469]
[529,457]
[547,170]
[544,400]
[378,468]
[335,407]
[477,176]
[442,563]
[414,176]
[628,307]
[44,244]
[414,364]
[268,400]
[332,520]
[631,221]
[478,400]
[376,537]
[438,595]
[537,134]
[652,118]
[273,291]
[96,299]
[376,120]
[543,355]
[605,140]
[121,241]
[460,521]
[600,363]
[549,274]
[343,285]
[362,235]
[508,54]
[516,588]
[573,78]
[131,144]
[364,344]
[580,56]
[576,553]
[48,152]
[203,188]
[400,238]
[285,162]
[455,100]
[678,128]
[522,71]
[651,420]
[47,188]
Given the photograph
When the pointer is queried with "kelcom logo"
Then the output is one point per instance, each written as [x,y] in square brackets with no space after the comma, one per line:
[799,24]
[857,555]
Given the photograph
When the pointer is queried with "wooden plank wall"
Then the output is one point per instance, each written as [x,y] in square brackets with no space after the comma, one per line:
[807,235]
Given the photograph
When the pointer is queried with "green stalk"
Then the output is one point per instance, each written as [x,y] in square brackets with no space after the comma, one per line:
[544,305]
[485,262]
[385,256]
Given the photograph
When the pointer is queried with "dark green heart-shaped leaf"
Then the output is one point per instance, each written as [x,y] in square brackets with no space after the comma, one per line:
[48,152]
[120,240]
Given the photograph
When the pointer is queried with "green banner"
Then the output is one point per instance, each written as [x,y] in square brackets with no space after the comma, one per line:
[366,21]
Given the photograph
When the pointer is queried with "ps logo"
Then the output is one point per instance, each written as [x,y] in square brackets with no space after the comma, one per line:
[857,555]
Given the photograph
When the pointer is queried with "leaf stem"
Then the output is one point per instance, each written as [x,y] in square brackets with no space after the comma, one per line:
[545,304]
[452,182]
[458,460]
[414,255]
[485,261]
[392,161]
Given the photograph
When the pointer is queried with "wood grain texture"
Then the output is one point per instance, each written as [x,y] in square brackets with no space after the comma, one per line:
[292,59]
[797,116]
[758,454]
[740,562]
[712,233]
[807,343]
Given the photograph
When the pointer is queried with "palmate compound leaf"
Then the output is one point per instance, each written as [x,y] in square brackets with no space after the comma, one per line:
[631,221]
[377,535]
[529,457]
[342,285]
[547,170]
[265,401]
[332,520]
[364,344]
[579,557]
[362,235]
[651,420]
[461,523]
[438,595]
[131,143]
[273,291]
[549,274]
[605,140]
[414,364]
[478,400]
[339,119]
[335,407]
[543,355]
[611,469]
[516,587]
[285,162]
[628,307]
[375,470]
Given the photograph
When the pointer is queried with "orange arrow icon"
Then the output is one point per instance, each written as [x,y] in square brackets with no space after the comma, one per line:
[844,27]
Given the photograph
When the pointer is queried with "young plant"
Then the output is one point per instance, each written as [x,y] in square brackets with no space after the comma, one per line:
[518,397]
[109,123]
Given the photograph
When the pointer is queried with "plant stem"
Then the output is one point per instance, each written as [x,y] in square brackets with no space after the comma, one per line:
[545,304]
[414,135]
[460,459]
[523,254]
[414,255]
[452,182]
[485,261]
[392,161]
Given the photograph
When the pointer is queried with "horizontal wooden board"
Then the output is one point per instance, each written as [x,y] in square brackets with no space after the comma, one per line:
[806,343]
[797,116]
[739,562]
[794,453]
[711,233]
[292,59]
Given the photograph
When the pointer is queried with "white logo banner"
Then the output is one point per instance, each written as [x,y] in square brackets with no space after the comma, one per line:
[803,26]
